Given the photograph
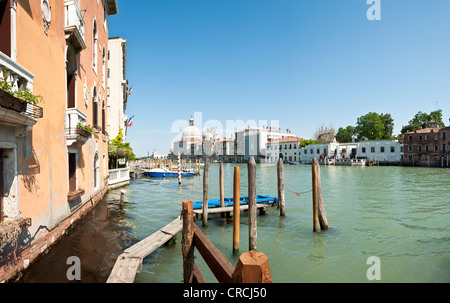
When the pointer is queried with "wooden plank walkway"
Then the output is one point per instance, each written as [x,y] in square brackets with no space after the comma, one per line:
[130,261]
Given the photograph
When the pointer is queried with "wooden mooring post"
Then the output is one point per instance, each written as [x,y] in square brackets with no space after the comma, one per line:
[236,208]
[252,225]
[222,193]
[205,193]
[280,183]
[252,267]
[319,215]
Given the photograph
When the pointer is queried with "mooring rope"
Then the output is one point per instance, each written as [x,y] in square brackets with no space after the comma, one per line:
[299,194]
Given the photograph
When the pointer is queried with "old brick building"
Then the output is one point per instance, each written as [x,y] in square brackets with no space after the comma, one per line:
[428,146]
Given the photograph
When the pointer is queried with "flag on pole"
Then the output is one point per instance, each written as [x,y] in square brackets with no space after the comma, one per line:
[130,121]
[130,90]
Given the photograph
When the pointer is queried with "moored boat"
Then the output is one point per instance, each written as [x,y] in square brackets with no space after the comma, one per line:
[164,172]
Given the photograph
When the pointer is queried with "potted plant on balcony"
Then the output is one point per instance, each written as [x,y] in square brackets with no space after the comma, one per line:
[14,100]
[84,130]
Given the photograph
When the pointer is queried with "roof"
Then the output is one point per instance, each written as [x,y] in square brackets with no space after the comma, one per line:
[286,140]
[425,130]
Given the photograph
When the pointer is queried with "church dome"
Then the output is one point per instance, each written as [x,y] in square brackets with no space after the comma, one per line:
[191,132]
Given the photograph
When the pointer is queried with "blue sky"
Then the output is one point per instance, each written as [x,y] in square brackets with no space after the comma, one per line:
[306,63]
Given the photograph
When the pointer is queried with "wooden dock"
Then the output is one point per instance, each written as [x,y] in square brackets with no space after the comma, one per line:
[229,209]
[130,261]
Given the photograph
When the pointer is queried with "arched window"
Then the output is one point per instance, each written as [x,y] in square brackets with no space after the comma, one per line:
[103,117]
[96,170]
[94,45]
[94,107]
[103,67]
[71,70]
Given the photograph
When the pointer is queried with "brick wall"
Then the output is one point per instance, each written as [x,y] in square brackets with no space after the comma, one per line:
[21,258]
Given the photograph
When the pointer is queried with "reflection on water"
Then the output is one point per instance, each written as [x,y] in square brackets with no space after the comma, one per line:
[399,214]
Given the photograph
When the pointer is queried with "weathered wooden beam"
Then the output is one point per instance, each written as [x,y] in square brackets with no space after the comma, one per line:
[236,208]
[322,215]
[219,265]
[252,267]
[198,277]
[315,196]
[252,225]
[205,193]
[187,245]
[280,183]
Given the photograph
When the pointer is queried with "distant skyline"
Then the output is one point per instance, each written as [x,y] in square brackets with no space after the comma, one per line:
[305,63]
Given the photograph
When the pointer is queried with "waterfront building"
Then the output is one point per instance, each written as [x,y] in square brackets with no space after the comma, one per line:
[427,146]
[117,90]
[288,149]
[224,150]
[253,142]
[385,151]
[156,155]
[53,166]
[191,143]
[117,87]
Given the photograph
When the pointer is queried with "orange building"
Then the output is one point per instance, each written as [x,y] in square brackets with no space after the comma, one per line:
[54,154]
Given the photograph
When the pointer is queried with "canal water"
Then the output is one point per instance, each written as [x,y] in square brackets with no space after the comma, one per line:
[399,214]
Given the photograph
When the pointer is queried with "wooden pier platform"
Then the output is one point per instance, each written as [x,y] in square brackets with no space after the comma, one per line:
[229,209]
[130,261]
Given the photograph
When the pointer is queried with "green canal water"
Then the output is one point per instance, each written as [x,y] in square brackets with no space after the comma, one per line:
[399,214]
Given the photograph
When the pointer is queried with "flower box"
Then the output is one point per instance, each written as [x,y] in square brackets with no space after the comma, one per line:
[11,102]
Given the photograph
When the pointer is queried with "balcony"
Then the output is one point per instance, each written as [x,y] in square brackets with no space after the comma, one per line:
[13,111]
[74,134]
[74,25]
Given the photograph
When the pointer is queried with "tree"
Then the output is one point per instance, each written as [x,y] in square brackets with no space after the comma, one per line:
[370,126]
[345,135]
[324,134]
[388,124]
[421,120]
[305,143]
[117,149]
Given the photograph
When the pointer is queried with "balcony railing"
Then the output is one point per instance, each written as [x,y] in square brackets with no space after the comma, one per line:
[73,134]
[74,24]
[17,105]
[20,112]
[120,175]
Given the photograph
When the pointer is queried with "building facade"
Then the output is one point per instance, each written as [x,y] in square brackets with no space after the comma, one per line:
[253,142]
[117,86]
[54,154]
[288,149]
[428,146]
[385,151]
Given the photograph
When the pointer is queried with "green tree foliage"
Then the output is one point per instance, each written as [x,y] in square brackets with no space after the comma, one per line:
[119,138]
[421,120]
[374,126]
[345,135]
[117,149]
[305,143]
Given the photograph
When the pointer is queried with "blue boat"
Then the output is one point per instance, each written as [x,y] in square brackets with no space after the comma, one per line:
[164,172]
[212,203]
[294,163]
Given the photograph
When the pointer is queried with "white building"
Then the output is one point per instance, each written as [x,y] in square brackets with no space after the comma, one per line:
[388,151]
[253,142]
[289,149]
[190,144]
[117,87]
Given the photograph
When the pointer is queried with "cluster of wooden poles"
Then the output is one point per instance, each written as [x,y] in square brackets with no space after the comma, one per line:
[319,216]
